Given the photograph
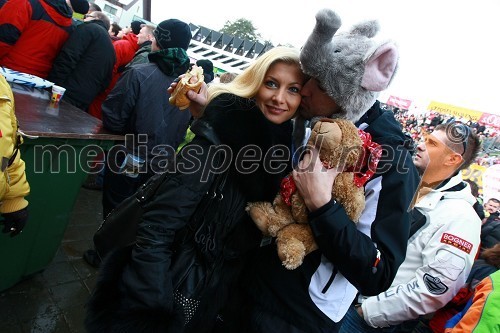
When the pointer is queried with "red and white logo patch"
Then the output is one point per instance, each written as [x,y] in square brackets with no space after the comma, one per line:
[457,242]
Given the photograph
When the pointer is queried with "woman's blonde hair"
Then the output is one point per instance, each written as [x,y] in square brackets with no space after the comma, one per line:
[247,83]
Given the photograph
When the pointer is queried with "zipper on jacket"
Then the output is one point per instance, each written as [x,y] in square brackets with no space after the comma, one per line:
[330,280]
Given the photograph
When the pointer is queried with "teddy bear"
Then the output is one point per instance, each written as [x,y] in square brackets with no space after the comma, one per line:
[340,145]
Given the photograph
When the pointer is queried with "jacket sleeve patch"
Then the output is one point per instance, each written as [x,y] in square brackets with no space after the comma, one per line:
[434,285]
[457,242]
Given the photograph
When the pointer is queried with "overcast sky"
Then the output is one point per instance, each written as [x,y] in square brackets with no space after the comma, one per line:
[446,46]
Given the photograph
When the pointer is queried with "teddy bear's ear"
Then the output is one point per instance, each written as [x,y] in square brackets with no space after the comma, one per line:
[380,68]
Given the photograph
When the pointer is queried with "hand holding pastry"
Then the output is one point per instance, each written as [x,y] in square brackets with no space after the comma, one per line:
[191,81]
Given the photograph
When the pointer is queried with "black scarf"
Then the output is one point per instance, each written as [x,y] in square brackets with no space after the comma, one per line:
[239,123]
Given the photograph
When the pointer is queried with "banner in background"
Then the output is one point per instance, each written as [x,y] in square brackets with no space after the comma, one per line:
[455,111]
[489,119]
[399,102]
[491,182]
[475,173]
[486,178]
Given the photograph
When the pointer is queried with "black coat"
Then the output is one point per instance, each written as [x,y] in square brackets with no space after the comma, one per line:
[134,294]
[138,105]
[490,232]
[85,64]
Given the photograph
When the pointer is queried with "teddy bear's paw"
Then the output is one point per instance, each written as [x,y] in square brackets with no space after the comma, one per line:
[291,253]
[274,229]
[259,212]
[299,210]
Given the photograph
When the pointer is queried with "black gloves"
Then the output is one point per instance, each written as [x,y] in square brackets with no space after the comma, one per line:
[14,222]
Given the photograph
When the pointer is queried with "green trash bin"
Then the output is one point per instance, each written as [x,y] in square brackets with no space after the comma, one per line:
[56,165]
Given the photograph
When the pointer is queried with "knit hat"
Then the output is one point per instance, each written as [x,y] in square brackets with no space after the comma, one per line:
[136,26]
[172,34]
[208,69]
[80,6]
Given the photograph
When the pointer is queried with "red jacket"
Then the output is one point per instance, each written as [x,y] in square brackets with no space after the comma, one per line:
[125,50]
[31,34]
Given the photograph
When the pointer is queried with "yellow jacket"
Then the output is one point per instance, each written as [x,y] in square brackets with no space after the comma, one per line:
[13,184]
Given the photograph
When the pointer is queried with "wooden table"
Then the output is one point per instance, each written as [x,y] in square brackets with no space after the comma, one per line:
[37,116]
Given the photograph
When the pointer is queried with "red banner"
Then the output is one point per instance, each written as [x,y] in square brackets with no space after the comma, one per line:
[489,119]
[399,102]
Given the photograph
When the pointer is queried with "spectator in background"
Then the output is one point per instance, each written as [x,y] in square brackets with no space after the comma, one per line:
[227,77]
[490,230]
[444,238]
[124,32]
[114,30]
[93,7]
[135,27]
[474,190]
[487,263]
[125,49]
[480,128]
[126,106]
[139,106]
[13,184]
[80,9]
[144,38]
[85,63]
[492,207]
[79,6]
[32,33]
[208,69]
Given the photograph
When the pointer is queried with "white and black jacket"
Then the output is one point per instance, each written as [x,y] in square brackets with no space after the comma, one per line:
[316,296]
[438,260]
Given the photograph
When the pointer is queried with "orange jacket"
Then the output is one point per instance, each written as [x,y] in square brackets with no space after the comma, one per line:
[481,313]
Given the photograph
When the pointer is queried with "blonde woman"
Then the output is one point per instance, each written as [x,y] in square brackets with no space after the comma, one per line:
[251,119]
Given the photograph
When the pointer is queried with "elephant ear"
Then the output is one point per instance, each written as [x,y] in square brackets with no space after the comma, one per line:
[380,68]
[316,56]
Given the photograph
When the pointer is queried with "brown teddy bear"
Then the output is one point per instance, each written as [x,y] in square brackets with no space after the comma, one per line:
[340,145]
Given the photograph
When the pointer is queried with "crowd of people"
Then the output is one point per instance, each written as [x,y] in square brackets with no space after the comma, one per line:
[420,258]
[416,126]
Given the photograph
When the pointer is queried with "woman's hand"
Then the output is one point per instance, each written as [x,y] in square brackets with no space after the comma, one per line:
[198,100]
